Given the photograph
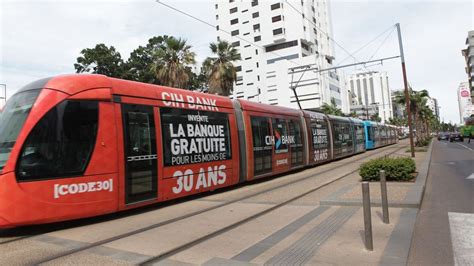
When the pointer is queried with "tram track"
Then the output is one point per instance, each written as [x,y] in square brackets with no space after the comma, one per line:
[199,240]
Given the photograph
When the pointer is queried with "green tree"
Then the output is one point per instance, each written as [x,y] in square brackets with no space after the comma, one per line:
[220,69]
[422,116]
[331,109]
[172,60]
[139,65]
[100,60]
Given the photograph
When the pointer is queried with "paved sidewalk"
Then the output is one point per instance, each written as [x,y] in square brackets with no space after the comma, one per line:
[391,241]
[333,233]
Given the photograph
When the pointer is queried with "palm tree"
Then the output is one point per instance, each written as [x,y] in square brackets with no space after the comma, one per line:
[220,70]
[418,110]
[331,109]
[173,58]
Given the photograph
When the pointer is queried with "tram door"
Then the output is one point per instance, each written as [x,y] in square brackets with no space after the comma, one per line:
[140,153]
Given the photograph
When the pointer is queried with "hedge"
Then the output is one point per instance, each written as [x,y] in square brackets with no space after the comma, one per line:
[396,169]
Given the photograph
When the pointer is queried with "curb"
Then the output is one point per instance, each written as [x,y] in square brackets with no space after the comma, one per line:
[412,199]
[397,250]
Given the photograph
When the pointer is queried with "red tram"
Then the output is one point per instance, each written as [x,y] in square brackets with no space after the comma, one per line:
[77,146]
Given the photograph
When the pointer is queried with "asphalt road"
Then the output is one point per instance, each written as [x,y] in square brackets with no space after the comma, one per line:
[448,190]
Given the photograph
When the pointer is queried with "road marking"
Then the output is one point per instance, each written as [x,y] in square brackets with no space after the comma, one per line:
[465,146]
[471,176]
[461,226]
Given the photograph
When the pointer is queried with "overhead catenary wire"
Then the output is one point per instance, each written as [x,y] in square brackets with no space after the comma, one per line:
[382,43]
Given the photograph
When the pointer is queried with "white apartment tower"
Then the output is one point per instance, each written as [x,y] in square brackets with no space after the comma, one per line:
[371,91]
[273,37]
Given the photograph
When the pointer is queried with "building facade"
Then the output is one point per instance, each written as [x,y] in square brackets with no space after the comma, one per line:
[282,44]
[432,103]
[468,54]
[371,92]
[464,101]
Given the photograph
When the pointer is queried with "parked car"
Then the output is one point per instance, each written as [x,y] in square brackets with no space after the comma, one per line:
[443,136]
[456,136]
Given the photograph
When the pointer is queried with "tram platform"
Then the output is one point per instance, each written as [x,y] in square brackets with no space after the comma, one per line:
[333,232]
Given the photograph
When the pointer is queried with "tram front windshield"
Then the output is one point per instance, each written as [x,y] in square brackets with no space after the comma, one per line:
[12,119]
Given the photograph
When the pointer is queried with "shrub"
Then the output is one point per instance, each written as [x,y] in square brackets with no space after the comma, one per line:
[423,142]
[396,169]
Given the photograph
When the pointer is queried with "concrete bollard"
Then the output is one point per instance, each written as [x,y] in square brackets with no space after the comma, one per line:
[383,188]
[369,245]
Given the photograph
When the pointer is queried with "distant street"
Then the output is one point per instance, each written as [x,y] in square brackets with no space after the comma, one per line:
[446,218]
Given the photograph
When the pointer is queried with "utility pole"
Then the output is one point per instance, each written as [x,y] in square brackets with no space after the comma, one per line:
[407,96]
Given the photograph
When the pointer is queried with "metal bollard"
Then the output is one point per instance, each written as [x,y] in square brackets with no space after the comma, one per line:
[369,245]
[383,187]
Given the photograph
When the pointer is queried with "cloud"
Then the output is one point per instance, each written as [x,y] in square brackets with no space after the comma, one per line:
[45,37]
[433,33]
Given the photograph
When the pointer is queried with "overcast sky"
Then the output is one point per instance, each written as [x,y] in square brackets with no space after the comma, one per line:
[44,38]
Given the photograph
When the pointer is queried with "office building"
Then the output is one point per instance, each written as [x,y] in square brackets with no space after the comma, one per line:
[468,54]
[371,94]
[274,37]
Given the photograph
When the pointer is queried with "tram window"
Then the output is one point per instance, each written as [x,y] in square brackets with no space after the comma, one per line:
[262,145]
[12,118]
[62,142]
[280,135]
[191,136]
[296,145]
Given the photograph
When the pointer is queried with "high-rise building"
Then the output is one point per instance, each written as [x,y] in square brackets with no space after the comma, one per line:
[432,103]
[372,94]
[273,37]
[464,101]
[469,56]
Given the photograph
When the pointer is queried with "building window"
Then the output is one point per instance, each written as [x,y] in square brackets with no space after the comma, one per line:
[304,28]
[238,68]
[217,17]
[247,33]
[216,6]
[305,46]
[257,38]
[234,32]
[236,44]
[256,51]
[257,64]
[275,6]
[239,78]
[314,20]
[276,18]
[258,77]
[277,31]
[230,1]
[234,21]
[233,10]
[281,46]
[243,11]
[315,31]
[256,27]
[217,27]
[254,2]
[248,58]
[255,15]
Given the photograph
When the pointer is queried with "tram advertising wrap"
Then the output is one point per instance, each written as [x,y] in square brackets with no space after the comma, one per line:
[194,145]
[191,136]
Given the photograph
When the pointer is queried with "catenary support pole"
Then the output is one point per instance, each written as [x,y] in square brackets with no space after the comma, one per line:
[407,95]
[369,245]
[383,188]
